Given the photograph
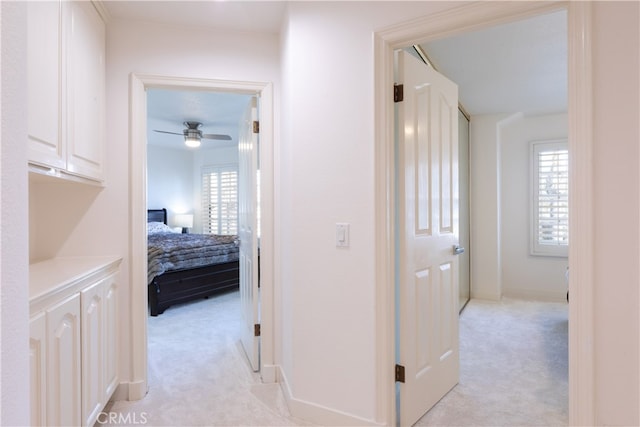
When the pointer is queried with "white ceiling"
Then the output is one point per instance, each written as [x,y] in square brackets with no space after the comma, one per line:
[253,16]
[219,113]
[515,67]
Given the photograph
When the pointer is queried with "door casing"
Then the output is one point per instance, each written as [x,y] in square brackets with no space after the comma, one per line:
[456,21]
[137,386]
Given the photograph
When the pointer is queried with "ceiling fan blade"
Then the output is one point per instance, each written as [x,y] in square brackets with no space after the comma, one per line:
[219,137]
[172,133]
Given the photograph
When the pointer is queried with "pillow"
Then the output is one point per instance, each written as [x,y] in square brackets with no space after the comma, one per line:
[158,227]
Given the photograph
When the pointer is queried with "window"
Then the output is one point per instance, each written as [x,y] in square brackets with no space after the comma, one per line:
[550,195]
[220,200]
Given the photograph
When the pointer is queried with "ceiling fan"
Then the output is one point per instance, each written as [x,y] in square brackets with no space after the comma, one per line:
[193,135]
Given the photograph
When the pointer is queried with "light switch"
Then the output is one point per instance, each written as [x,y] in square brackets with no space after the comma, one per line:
[342,235]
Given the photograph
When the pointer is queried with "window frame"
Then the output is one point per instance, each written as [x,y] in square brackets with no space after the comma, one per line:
[536,247]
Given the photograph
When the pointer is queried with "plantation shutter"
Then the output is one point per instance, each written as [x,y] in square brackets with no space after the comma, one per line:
[220,200]
[551,198]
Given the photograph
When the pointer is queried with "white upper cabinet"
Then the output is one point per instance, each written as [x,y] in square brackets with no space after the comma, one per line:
[86,76]
[45,84]
[66,89]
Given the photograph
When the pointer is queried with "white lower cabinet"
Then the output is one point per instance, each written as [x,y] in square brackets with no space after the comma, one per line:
[73,350]
[38,368]
[63,363]
[99,357]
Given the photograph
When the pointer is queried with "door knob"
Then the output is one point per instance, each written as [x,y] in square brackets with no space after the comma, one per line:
[457,250]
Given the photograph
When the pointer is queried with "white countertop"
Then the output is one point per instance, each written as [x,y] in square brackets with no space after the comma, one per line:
[58,277]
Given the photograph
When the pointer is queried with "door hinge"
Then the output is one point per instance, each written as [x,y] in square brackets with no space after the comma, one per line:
[398,93]
[256,330]
[399,373]
[256,126]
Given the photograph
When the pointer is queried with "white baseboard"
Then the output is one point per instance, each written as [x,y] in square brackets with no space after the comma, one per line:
[130,391]
[121,392]
[269,374]
[315,413]
[489,296]
[535,295]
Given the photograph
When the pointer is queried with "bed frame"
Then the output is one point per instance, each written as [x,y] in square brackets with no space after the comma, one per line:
[174,287]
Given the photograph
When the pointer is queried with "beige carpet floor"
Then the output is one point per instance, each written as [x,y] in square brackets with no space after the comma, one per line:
[513,367]
[513,370]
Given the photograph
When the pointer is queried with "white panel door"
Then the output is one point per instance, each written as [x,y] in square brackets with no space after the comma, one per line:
[63,363]
[247,232]
[427,174]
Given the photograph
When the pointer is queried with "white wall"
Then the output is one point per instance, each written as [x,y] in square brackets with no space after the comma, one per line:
[14,276]
[167,51]
[501,262]
[169,180]
[617,211]
[524,275]
[327,176]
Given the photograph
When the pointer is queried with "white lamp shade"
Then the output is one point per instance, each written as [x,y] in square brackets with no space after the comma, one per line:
[184,220]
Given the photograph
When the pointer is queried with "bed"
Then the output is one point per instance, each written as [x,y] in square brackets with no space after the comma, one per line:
[185,267]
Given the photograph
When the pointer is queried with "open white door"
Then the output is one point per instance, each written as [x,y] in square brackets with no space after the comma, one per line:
[427,207]
[248,232]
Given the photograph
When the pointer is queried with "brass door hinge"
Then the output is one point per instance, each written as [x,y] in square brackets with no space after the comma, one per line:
[256,330]
[256,126]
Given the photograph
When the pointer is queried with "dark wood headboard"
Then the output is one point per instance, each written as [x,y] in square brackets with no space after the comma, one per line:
[157,215]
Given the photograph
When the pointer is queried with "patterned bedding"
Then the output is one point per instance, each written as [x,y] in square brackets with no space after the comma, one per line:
[174,251]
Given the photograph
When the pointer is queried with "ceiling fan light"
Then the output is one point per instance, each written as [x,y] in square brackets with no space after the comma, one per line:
[192,142]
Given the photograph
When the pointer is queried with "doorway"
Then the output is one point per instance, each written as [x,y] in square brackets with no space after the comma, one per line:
[581,391]
[138,296]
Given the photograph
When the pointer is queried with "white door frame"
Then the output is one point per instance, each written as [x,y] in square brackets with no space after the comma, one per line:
[455,21]
[138,207]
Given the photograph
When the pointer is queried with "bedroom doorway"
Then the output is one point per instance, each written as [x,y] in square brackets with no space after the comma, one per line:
[484,15]
[139,86]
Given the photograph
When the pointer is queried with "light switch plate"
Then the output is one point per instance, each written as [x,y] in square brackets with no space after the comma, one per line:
[342,235]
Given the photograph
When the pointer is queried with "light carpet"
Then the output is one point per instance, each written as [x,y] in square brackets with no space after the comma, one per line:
[513,370]
[513,367]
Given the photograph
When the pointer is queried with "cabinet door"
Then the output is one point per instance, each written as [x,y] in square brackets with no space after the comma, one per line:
[38,369]
[86,109]
[93,328]
[111,337]
[99,347]
[63,363]
[45,84]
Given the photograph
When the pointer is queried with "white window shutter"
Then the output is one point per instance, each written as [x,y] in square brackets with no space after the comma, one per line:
[220,199]
[550,197]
